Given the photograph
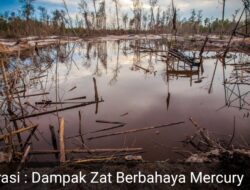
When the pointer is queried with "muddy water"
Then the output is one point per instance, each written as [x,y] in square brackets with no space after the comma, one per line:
[138,98]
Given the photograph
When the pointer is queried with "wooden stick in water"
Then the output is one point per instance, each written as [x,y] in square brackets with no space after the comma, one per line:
[29,137]
[17,132]
[142,68]
[118,126]
[61,140]
[135,130]
[52,103]
[96,95]
[26,153]
[56,110]
[80,127]
[53,139]
[30,95]
[77,98]
[73,88]
[201,131]
[124,114]
[109,122]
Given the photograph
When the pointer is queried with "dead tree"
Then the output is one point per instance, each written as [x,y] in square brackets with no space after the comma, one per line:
[116,12]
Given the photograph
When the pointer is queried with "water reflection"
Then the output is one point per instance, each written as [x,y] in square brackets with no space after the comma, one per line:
[139,88]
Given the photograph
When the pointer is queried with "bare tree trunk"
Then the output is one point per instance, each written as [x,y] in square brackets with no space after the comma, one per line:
[95,14]
[223,9]
[246,21]
[117,17]
[223,17]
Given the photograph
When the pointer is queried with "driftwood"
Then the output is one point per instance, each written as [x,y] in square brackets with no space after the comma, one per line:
[56,110]
[136,130]
[61,140]
[202,133]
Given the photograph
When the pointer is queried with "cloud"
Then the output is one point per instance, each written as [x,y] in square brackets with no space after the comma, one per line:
[211,8]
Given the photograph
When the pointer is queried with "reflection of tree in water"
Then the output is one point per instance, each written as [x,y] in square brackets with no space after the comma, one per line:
[151,63]
[83,53]
[136,55]
[125,48]
[98,71]
[89,46]
[62,53]
[117,68]
[43,59]
[101,55]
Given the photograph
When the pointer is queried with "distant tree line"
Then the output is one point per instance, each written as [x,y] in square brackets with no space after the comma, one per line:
[93,17]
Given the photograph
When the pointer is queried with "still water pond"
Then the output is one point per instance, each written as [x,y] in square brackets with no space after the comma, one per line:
[140,90]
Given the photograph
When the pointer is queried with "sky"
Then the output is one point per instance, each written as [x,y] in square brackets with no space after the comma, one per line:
[210,8]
